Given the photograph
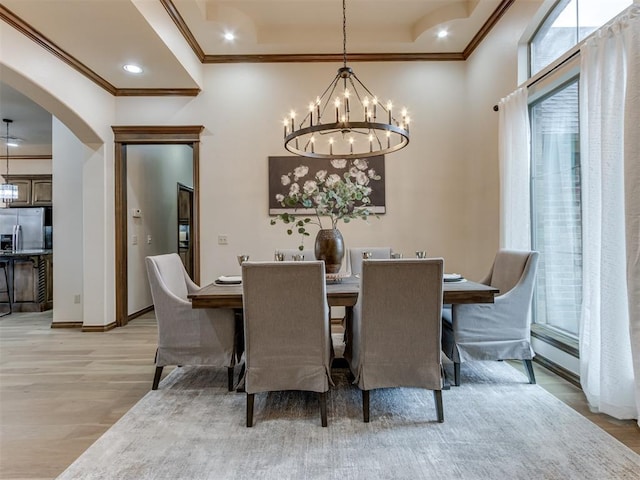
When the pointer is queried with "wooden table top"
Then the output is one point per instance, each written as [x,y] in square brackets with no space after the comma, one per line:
[343,294]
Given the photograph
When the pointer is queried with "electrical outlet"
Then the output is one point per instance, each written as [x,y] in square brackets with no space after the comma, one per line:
[76,298]
[223,240]
[148,239]
[134,239]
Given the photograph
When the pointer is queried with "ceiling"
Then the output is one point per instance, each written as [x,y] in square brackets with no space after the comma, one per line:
[100,36]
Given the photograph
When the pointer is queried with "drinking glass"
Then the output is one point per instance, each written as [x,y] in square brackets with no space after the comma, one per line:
[279,257]
[395,255]
[242,259]
[421,254]
[366,255]
[299,257]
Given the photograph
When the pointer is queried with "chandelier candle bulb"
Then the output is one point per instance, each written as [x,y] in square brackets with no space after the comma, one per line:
[311,114]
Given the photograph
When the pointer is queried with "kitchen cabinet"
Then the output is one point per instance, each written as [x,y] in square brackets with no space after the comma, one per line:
[30,276]
[33,190]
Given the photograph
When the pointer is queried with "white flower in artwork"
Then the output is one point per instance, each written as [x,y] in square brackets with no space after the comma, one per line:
[300,172]
[279,197]
[321,175]
[353,171]
[371,173]
[310,187]
[361,164]
[339,163]
[294,189]
[285,180]
[332,180]
[361,178]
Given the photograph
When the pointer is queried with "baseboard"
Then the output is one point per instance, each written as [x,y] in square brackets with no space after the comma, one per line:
[560,371]
[139,313]
[66,324]
[99,328]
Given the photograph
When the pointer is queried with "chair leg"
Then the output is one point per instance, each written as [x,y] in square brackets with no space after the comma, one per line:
[437,396]
[528,365]
[230,378]
[323,408]
[365,406]
[456,374]
[156,378]
[250,397]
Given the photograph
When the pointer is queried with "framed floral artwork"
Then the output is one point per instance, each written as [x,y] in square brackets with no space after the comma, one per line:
[321,183]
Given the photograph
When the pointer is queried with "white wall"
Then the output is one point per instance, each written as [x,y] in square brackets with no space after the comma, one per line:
[68,153]
[153,173]
[491,75]
[88,111]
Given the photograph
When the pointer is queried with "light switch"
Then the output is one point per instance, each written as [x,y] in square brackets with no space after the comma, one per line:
[148,239]
[134,239]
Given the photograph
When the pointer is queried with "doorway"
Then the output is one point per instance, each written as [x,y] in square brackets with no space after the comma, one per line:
[185,212]
[150,135]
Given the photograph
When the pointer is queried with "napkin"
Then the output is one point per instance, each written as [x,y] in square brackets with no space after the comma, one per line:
[452,277]
[229,279]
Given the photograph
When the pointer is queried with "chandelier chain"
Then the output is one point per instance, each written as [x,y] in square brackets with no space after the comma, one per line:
[7,144]
[344,32]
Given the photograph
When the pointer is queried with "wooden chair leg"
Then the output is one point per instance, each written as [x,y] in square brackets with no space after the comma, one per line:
[437,395]
[528,365]
[230,378]
[323,408]
[456,374]
[156,378]
[250,397]
[365,406]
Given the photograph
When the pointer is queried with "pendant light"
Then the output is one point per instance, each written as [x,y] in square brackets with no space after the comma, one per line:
[8,191]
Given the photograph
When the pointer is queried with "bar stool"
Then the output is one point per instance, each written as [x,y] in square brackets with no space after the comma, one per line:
[4,266]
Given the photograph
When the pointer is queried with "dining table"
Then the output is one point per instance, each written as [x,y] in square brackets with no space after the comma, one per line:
[343,293]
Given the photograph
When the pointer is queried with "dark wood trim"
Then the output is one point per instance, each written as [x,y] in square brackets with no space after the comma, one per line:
[562,372]
[120,180]
[27,157]
[491,22]
[66,324]
[99,328]
[184,29]
[157,92]
[23,27]
[334,57]
[138,135]
[139,313]
[556,339]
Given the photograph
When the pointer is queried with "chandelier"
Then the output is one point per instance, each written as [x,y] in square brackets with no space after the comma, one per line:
[347,120]
[8,191]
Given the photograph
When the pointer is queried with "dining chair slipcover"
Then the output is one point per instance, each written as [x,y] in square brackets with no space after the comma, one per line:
[500,330]
[286,327]
[187,336]
[289,253]
[355,256]
[397,327]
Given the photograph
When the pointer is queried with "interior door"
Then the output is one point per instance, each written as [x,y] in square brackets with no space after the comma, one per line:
[185,213]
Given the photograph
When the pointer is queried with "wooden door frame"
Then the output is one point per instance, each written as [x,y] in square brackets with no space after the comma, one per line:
[155,135]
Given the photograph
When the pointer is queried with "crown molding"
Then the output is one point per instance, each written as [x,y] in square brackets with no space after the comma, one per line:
[333,57]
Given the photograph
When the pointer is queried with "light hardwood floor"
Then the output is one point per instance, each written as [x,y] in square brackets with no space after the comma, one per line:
[61,389]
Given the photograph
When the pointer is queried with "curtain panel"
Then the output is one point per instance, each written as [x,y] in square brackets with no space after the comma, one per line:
[514,160]
[610,158]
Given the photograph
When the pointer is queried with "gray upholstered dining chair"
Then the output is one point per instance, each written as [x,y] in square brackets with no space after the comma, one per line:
[500,330]
[355,256]
[188,336]
[286,328]
[289,254]
[396,328]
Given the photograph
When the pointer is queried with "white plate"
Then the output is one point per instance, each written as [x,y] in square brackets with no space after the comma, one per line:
[229,280]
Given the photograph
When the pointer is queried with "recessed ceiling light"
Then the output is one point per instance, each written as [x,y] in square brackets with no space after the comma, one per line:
[131,68]
[229,36]
[12,144]
[442,33]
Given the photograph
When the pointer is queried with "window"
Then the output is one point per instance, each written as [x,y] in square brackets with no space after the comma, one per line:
[556,213]
[568,23]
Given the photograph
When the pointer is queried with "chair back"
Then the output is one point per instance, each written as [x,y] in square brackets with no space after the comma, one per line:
[512,267]
[166,274]
[286,326]
[397,324]
[290,253]
[355,256]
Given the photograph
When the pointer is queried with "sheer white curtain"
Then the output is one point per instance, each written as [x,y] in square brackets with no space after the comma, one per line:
[514,153]
[610,157]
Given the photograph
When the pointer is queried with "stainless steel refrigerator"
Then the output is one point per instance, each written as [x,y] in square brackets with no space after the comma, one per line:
[22,228]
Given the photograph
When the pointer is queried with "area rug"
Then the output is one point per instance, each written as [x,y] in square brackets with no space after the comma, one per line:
[496,426]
